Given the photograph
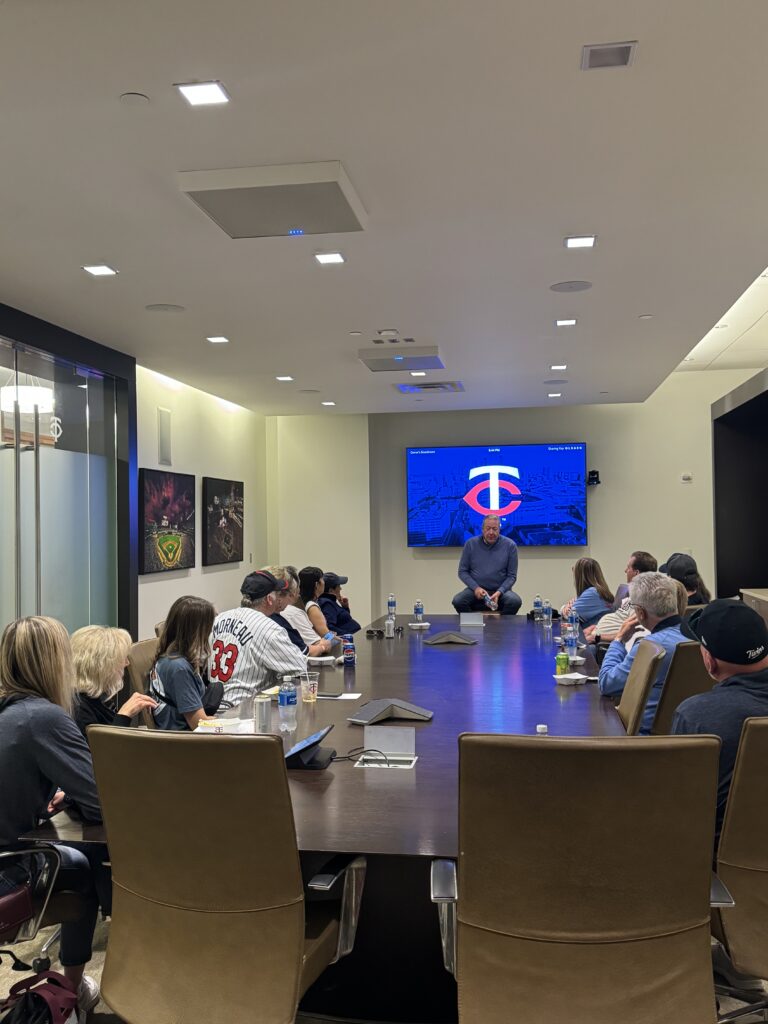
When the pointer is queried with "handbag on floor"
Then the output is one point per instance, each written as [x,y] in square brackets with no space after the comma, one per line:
[45,998]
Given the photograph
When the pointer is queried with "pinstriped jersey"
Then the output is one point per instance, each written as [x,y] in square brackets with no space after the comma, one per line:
[249,652]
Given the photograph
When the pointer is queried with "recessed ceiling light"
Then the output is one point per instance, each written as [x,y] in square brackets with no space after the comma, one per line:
[559,366]
[203,94]
[164,307]
[566,323]
[570,286]
[418,373]
[355,334]
[580,241]
[645,316]
[688,359]
[99,270]
[554,394]
[324,258]
[720,327]
[327,403]
[388,332]
[218,339]
[283,378]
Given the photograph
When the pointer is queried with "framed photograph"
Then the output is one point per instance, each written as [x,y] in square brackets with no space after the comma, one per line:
[222,521]
[167,523]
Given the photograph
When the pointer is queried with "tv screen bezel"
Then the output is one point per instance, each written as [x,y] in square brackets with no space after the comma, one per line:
[496,444]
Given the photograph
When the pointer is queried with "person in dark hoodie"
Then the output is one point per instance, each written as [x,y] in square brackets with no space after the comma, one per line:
[45,755]
[335,608]
[100,655]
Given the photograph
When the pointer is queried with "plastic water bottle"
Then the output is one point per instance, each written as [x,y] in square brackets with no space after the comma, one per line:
[542,730]
[418,611]
[571,644]
[490,603]
[537,608]
[287,701]
[391,606]
[547,614]
[573,622]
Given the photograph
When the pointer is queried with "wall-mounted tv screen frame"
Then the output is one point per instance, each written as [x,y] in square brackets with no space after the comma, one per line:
[539,491]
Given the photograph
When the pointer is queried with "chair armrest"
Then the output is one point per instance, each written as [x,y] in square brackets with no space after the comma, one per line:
[719,896]
[332,872]
[442,881]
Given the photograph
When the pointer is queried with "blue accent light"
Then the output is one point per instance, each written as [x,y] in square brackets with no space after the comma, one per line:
[399,359]
[295,231]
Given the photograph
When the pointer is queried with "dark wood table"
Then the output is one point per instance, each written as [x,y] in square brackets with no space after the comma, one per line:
[502,684]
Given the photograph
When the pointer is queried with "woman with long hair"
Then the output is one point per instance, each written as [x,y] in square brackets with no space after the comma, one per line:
[593,595]
[683,568]
[99,656]
[45,762]
[176,678]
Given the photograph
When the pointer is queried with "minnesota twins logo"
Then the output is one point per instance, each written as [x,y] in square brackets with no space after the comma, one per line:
[494,484]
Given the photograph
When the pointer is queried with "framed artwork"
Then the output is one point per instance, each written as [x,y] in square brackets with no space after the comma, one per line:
[167,531]
[223,508]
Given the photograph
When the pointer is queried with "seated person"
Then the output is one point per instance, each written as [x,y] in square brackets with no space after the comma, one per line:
[654,598]
[41,749]
[609,625]
[175,680]
[99,656]
[248,651]
[335,608]
[684,568]
[304,613]
[734,646]
[488,570]
[593,598]
[285,599]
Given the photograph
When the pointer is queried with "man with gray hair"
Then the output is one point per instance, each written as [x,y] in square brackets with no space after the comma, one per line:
[653,597]
[488,570]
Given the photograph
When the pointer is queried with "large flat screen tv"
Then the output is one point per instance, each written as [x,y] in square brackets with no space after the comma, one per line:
[537,490]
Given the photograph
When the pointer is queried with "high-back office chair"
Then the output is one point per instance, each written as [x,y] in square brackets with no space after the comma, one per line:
[159,627]
[584,879]
[208,914]
[141,657]
[686,677]
[742,861]
[639,683]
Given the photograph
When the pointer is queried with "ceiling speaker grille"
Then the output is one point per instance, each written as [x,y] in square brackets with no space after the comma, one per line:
[608,55]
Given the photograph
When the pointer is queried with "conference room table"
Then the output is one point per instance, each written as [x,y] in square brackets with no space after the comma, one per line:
[402,818]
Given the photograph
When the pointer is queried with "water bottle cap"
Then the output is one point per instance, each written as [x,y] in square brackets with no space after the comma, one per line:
[542,730]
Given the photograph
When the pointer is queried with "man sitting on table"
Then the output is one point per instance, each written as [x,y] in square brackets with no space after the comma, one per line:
[488,569]
[734,646]
[249,651]
[653,597]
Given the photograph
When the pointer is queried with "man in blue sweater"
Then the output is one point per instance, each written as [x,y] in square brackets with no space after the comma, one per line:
[653,597]
[488,570]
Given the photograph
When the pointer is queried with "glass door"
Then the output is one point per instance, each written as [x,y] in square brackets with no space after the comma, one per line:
[58,512]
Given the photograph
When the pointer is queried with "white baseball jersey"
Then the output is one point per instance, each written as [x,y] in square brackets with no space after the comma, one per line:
[249,652]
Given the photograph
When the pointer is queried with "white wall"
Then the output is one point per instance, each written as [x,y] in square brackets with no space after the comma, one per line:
[319,502]
[640,450]
[210,437]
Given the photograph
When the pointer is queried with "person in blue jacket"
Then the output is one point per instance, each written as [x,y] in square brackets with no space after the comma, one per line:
[654,600]
[593,596]
[335,607]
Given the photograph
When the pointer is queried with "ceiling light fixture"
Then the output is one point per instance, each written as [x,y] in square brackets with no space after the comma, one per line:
[99,270]
[283,378]
[580,241]
[554,394]
[645,316]
[571,322]
[418,373]
[218,339]
[720,327]
[327,403]
[326,258]
[388,332]
[559,366]
[203,94]
[355,334]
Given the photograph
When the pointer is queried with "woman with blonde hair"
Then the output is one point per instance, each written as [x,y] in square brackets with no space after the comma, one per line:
[46,756]
[593,596]
[100,654]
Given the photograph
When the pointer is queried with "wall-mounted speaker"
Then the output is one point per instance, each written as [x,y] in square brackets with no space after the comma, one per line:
[164,437]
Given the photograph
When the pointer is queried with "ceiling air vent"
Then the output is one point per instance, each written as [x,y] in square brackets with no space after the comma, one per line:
[444,387]
[608,55]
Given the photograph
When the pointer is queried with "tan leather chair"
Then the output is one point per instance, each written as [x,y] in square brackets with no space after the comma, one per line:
[742,859]
[140,659]
[686,677]
[159,627]
[584,879]
[208,917]
[642,676]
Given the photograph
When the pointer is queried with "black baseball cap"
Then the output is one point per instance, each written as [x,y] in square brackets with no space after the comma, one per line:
[260,583]
[731,632]
[682,568]
[332,580]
